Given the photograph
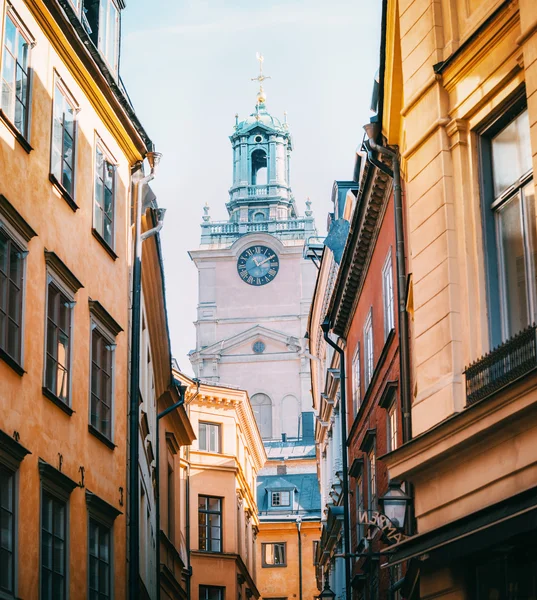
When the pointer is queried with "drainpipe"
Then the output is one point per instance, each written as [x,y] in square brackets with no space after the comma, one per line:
[372,131]
[325,326]
[298,525]
[134,445]
[182,391]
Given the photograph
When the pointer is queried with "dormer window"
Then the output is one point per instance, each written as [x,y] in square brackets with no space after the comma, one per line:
[101,20]
[280,498]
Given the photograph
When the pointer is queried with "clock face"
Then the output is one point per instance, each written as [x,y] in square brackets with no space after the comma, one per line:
[258,265]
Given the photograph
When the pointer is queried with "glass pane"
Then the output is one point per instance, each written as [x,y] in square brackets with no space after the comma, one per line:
[22,52]
[6,570]
[58,555]
[203,436]
[512,267]
[10,35]
[57,587]
[69,122]
[8,72]
[59,519]
[202,502]
[214,504]
[511,153]
[8,100]
[46,549]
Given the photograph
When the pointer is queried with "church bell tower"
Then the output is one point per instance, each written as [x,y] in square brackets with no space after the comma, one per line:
[255,287]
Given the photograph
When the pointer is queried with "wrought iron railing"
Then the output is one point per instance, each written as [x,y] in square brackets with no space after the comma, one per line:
[501,366]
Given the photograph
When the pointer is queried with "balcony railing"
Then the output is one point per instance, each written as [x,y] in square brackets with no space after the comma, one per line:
[226,231]
[503,365]
[258,190]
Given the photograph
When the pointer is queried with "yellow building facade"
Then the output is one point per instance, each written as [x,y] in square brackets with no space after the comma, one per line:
[68,142]
[459,99]
[222,466]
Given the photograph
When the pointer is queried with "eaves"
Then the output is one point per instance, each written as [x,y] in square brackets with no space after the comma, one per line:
[367,219]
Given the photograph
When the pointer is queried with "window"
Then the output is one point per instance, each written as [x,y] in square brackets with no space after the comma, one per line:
[509,219]
[62,155]
[360,507]
[7,542]
[101,517]
[58,344]
[103,218]
[282,498]
[11,296]
[387,295]
[262,407]
[109,32]
[209,437]
[368,348]
[171,503]
[392,427]
[259,216]
[103,331]
[211,593]
[210,523]
[356,396]
[372,479]
[102,355]
[53,548]
[99,552]
[274,554]
[15,80]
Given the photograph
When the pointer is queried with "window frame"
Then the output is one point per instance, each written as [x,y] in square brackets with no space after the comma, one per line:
[360,506]
[13,475]
[107,159]
[280,492]
[388,298]
[265,564]
[372,479]
[109,329]
[101,45]
[220,512]
[23,137]
[356,380]
[392,442]
[221,591]
[506,114]
[218,427]
[59,276]
[369,349]
[61,87]
[16,362]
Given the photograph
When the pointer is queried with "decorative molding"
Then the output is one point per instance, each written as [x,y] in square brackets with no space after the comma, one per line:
[8,212]
[368,440]
[172,443]
[388,394]
[11,451]
[100,509]
[55,481]
[60,268]
[98,310]
[458,129]
[356,468]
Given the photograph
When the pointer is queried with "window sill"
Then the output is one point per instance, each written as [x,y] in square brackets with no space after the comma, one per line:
[63,192]
[57,401]
[273,566]
[11,362]
[101,437]
[16,133]
[101,241]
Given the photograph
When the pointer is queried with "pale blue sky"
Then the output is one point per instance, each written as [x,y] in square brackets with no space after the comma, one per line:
[187,66]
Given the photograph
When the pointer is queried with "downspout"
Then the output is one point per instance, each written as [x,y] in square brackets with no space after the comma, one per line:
[404,350]
[298,525]
[404,354]
[134,445]
[325,326]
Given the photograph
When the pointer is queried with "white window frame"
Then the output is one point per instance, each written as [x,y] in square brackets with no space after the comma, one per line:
[356,380]
[218,428]
[392,427]
[369,352]
[372,479]
[280,492]
[387,295]
[103,41]
[107,156]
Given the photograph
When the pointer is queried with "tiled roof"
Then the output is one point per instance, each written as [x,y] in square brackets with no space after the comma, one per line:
[307,495]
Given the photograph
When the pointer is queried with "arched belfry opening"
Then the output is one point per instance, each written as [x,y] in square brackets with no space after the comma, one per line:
[259,167]
[262,409]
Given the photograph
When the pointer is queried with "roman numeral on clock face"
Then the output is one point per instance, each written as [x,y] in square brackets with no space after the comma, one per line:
[258,265]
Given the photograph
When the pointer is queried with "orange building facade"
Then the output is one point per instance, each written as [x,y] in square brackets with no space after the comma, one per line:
[68,142]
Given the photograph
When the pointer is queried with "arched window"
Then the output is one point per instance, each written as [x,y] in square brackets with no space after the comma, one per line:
[259,216]
[290,416]
[259,167]
[262,407]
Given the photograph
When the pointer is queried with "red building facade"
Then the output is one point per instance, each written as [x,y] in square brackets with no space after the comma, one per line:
[364,314]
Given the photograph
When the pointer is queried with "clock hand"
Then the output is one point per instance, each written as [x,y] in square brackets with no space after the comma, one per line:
[264,261]
[255,261]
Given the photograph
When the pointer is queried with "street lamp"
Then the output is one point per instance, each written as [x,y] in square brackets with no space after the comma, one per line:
[298,526]
[327,593]
[394,504]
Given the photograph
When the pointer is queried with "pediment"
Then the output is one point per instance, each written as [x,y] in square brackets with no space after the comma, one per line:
[275,341]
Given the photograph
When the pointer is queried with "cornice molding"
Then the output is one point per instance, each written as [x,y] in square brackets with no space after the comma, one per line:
[60,268]
[10,214]
[98,310]
[11,451]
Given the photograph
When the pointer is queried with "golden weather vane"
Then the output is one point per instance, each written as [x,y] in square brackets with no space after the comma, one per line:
[261,77]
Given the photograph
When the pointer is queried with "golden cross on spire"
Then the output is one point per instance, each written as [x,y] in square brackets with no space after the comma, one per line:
[260,77]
